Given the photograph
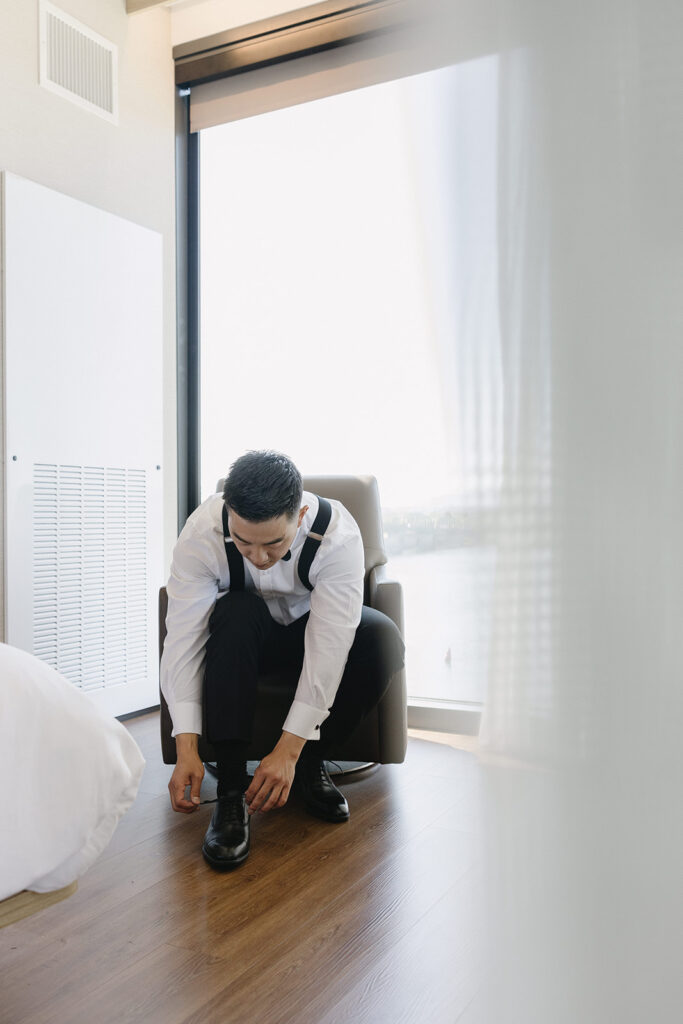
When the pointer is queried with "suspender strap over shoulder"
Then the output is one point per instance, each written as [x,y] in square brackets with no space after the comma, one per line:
[235,560]
[312,542]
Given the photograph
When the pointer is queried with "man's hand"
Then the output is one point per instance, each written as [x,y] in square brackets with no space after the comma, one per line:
[189,771]
[275,774]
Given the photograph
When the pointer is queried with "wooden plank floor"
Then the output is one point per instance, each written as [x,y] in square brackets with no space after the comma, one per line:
[376,920]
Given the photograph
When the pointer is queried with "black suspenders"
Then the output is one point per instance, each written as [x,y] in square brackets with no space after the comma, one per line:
[312,542]
[235,560]
[308,551]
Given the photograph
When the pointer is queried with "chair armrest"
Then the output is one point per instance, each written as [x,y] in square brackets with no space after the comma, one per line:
[386,595]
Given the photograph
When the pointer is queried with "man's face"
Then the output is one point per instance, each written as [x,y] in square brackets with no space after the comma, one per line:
[264,544]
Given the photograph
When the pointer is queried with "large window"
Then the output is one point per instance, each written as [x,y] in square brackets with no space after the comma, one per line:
[345,242]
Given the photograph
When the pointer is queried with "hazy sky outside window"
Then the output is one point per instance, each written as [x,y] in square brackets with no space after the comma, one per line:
[344,242]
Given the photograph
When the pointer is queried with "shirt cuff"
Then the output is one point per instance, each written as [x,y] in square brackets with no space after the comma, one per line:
[304,721]
[186,717]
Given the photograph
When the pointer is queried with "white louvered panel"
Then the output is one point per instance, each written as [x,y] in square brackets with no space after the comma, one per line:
[90,573]
[93,649]
[81,475]
[115,577]
[69,544]
[136,545]
[45,550]
[77,63]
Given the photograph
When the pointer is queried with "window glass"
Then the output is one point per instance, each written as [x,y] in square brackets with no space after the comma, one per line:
[347,245]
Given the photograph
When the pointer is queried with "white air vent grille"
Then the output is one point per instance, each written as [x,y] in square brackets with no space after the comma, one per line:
[90,573]
[77,63]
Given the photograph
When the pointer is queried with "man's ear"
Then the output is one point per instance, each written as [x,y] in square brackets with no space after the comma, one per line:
[302,513]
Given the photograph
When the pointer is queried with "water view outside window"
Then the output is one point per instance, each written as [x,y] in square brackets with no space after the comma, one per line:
[347,244]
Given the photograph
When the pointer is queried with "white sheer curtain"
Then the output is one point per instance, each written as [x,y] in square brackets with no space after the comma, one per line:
[556,299]
[579,483]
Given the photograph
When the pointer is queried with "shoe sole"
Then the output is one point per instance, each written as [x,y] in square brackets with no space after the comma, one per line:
[223,865]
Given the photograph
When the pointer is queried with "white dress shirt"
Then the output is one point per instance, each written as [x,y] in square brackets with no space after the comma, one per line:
[200,576]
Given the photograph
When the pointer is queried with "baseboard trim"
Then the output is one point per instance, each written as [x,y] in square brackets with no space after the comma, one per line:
[435,716]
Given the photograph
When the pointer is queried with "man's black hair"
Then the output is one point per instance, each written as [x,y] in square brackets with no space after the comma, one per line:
[263,485]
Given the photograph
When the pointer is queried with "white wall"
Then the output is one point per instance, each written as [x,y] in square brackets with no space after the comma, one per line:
[127,169]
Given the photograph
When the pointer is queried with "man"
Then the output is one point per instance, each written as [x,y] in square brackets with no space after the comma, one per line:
[263,576]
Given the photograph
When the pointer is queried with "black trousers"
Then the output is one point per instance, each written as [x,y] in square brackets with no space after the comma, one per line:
[244,641]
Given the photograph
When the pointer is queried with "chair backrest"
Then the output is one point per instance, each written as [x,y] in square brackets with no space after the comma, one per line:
[360,495]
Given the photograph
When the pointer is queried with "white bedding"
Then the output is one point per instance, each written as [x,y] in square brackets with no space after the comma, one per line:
[68,771]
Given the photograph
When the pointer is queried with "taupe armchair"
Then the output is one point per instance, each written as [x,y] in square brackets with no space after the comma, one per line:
[382,735]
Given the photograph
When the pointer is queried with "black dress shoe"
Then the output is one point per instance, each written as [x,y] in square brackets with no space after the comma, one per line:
[321,796]
[226,843]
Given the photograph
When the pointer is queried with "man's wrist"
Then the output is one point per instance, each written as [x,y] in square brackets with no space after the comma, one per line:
[291,744]
[187,743]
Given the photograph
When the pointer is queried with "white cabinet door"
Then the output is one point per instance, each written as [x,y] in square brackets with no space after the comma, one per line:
[83,441]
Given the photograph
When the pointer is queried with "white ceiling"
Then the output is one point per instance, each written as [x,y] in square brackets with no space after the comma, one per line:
[194,19]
